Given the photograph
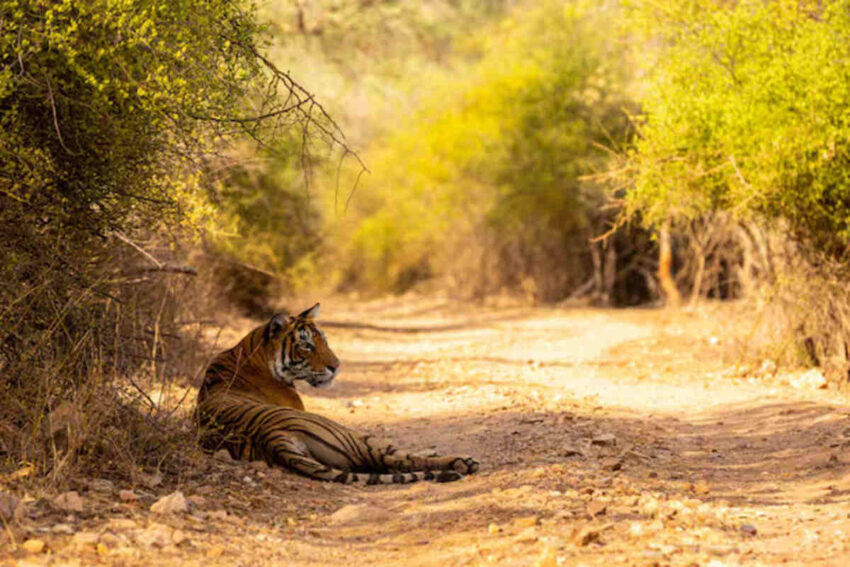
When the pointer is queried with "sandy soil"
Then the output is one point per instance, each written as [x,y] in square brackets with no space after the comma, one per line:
[626,437]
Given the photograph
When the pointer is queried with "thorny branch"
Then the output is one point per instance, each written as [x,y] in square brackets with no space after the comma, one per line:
[312,113]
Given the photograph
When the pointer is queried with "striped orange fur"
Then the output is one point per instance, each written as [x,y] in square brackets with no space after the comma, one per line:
[248,405]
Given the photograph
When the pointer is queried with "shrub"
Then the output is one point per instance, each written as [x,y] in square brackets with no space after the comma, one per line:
[111,117]
[483,185]
[746,112]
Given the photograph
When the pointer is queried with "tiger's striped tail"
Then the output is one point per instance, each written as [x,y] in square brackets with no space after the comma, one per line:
[397,477]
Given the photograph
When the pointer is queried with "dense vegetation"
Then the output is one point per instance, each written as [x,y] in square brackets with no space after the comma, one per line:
[745,117]
[114,119]
[483,183]
[747,111]
[478,140]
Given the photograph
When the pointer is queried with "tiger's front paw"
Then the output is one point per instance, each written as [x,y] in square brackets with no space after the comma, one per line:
[464,465]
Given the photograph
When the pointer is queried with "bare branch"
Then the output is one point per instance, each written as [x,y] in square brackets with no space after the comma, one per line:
[168,268]
[123,238]
[55,117]
[252,119]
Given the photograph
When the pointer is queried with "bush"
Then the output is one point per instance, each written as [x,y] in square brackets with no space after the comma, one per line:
[746,112]
[745,118]
[483,186]
[111,116]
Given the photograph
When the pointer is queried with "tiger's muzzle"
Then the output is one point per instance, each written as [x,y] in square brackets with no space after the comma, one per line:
[324,379]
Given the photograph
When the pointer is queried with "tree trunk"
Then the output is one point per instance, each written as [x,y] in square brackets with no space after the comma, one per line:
[669,293]
[610,272]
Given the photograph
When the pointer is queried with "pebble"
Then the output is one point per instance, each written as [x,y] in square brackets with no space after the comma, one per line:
[223,455]
[155,535]
[572,452]
[768,367]
[101,485]
[174,503]
[69,501]
[749,530]
[587,535]
[612,463]
[493,529]
[151,480]
[121,524]
[811,379]
[33,546]
[547,558]
[62,529]
[8,503]
[127,496]
[604,440]
[85,539]
[359,513]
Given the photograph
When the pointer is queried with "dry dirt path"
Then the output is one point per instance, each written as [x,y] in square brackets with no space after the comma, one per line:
[621,437]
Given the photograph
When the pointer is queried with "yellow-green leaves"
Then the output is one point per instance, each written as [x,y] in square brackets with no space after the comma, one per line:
[746,110]
[112,93]
[490,164]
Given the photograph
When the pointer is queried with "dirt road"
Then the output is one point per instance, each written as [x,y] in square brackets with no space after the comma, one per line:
[605,438]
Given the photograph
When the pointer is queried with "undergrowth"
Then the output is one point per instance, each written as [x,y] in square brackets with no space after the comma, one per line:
[98,366]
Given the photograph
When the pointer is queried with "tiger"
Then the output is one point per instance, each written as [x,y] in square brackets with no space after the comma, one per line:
[248,405]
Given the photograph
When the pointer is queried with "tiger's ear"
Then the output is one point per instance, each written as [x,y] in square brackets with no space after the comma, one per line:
[277,324]
[311,313]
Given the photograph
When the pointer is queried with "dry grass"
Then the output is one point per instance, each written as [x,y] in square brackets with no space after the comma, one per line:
[803,318]
[86,359]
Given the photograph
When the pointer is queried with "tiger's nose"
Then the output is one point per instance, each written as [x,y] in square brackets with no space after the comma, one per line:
[333,368]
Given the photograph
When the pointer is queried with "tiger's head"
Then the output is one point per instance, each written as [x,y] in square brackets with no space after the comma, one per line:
[301,350]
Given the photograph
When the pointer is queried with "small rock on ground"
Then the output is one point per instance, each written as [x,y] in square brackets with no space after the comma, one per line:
[359,513]
[127,496]
[69,501]
[101,485]
[155,535]
[174,503]
[85,539]
[604,440]
[33,546]
[811,379]
[8,503]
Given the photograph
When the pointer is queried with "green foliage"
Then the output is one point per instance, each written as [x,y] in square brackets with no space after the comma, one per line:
[103,102]
[746,110]
[268,223]
[389,33]
[366,60]
[112,115]
[487,172]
